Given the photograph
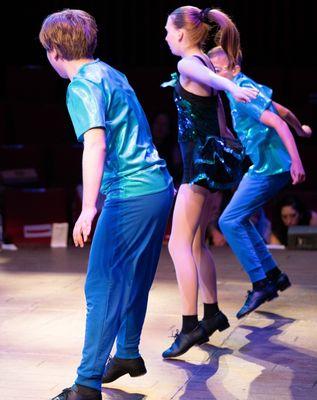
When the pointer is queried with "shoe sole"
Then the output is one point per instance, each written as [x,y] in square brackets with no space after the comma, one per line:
[132,374]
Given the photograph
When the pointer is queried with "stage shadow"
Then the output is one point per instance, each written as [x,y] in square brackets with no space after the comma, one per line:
[198,374]
[122,395]
[286,371]
[285,368]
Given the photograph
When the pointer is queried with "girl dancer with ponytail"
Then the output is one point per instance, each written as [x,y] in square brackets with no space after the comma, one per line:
[196,101]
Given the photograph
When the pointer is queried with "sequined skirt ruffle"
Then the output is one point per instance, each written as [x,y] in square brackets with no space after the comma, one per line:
[214,164]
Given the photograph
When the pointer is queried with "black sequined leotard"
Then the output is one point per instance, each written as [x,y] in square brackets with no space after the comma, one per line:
[197,122]
[209,160]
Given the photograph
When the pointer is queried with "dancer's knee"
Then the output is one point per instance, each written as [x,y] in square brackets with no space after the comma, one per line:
[177,246]
[173,246]
[228,223]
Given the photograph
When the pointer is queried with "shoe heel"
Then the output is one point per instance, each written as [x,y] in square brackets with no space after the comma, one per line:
[225,325]
[274,296]
[134,374]
[284,287]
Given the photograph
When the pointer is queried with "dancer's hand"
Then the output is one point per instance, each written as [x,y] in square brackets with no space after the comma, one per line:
[82,227]
[244,94]
[305,131]
[297,172]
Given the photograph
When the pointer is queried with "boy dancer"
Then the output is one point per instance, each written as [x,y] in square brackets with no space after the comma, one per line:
[271,147]
[118,157]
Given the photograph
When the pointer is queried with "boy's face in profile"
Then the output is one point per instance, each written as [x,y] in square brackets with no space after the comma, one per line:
[57,63]
[221,63]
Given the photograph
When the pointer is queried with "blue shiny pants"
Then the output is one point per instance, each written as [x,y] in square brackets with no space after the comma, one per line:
[243,238]
[122,264]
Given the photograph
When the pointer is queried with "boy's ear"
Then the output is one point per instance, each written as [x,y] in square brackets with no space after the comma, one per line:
[236,70]
[55,55]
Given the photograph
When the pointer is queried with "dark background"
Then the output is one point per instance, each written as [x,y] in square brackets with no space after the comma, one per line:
[278,42]
[273,32]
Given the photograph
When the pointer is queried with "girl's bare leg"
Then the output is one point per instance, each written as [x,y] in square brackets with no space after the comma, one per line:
[186,218]
[203,258]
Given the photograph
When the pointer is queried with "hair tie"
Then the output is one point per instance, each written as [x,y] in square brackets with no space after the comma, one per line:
[203,16]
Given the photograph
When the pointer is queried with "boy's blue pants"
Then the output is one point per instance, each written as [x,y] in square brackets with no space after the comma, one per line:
[248,246]
[122,264]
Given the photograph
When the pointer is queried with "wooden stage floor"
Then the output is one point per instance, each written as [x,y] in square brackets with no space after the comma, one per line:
[270,355]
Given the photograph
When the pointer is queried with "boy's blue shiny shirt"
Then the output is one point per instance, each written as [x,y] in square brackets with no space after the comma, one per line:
[262,143]
[100,96]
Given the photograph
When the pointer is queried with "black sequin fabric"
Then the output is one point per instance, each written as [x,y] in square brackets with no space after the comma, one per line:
[208,159]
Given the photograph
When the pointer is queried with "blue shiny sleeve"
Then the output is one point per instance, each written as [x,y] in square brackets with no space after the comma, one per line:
[257,106]
[86,106]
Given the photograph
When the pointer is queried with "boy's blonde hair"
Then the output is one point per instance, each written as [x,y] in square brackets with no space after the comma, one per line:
[72,33]
[218,51]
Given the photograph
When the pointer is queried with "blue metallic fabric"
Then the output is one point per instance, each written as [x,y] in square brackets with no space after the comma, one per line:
[100,97]
[262,143]
[208,159]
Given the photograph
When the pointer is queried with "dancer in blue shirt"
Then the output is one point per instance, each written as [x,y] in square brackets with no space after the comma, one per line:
[120,159]
[261,127]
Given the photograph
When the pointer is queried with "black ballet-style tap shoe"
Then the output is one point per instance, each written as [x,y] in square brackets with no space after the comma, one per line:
[184,341]
[74,393]
[117,367]
[257,297]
